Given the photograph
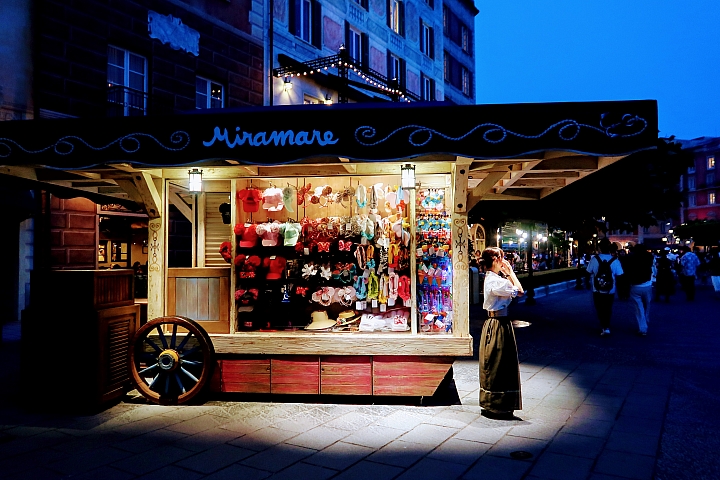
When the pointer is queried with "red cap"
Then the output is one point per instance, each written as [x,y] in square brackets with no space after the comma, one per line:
[249,237]
[275,267]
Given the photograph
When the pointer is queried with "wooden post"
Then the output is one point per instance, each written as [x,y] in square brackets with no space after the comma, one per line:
[200,202]
[412,219]
[233,220]
[157,253]
[460,253]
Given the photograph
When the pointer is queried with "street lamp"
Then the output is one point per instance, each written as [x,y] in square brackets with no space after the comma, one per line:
[195,176]
[407,176]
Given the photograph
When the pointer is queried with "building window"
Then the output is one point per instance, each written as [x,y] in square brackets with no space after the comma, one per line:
[427,42]
[691,169]
[465,33]
[208,94]
[305,18]
[691,183]
[396,71]
[354,42]
[127,81]
[430,3]
[446,21]
[466,81]
[427,86]
[446,67]
[691,200]
[710,179]
[646,230]
[711,198]
[396,16]
[362,3]
[711,163]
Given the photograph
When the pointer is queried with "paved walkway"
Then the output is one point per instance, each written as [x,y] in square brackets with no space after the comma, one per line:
[595,408]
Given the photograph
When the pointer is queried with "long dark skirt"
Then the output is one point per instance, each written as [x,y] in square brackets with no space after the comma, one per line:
[499,367]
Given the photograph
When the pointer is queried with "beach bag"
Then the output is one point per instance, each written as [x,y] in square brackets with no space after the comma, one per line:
[604,278]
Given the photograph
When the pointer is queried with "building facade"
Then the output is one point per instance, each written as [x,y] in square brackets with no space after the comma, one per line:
[417,50]
[700,185]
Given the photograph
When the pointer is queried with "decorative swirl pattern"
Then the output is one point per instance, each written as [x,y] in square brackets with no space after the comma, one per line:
[130,143]
[629,125]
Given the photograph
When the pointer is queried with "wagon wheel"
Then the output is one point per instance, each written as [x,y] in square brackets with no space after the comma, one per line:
[168,366]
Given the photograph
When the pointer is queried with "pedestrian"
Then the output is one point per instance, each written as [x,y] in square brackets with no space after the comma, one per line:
[688,267]
[623,286]
[664,276]
[604,270]
[714,270]
[638,268]
[499,366]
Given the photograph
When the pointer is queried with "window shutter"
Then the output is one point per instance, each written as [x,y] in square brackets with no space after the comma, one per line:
[316,24]
[402,18]
[365,50]
[420,30]
[294,17]
[347,37]
[403,76]
[387,13]
[389,68]
[431,53]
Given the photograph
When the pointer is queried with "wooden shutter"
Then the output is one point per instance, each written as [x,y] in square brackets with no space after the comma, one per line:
[403,75]
[316,24]
[387,14]
[431,32]
[402,18]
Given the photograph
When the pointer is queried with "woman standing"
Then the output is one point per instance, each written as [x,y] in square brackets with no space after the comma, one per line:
[499,366]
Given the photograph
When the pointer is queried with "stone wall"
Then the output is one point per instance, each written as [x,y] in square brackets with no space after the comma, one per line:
[73,233]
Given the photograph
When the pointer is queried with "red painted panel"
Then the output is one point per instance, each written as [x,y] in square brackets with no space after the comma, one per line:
[288,378]
[246,387]
[295,388]
[346,389]
[346,366]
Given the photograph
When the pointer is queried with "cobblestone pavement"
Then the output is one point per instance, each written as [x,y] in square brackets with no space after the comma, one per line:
[598,408]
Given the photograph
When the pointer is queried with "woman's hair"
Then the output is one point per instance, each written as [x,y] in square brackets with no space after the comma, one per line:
[489,255]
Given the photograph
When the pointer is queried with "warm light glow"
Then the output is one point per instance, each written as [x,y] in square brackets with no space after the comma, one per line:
[287,86]
[328,100]
[407,176]
[670,231]
[195,176]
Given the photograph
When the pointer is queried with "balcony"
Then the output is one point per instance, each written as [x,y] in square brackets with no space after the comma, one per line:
[127,102]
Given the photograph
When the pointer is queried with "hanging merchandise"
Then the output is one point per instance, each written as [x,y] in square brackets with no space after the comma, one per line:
[361,196]
[289,197]
[272,199]
[250,198]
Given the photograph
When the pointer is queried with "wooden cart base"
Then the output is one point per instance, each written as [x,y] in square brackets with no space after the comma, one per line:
[331,375]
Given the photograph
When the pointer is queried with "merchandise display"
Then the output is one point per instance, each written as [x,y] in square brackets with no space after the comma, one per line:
[323,255]
[434,262]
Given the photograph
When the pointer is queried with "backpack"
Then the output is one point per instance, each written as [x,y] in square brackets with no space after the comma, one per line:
[603,281]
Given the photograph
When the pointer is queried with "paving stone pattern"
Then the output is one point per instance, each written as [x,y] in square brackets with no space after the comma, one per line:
[595,408]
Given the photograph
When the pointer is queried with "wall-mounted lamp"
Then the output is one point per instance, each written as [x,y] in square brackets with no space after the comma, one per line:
[195,176]
[407,176]
[328,99]
[287,86]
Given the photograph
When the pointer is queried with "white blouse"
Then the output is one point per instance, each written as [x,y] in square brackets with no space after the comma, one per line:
[498,291]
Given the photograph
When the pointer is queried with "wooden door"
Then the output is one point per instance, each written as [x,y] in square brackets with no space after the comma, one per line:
[201,294]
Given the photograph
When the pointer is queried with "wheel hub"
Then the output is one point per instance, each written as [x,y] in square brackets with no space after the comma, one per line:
[169,360]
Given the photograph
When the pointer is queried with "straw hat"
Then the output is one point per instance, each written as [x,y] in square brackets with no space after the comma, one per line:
[320,321]
[346,317]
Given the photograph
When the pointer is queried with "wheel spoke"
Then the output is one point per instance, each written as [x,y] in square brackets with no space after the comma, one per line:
[174,336]
[185,340]
[189,352]
[189,374]
[179,382]
[193,363]
[162,337]
[153,345]
[154,380]
[151,367]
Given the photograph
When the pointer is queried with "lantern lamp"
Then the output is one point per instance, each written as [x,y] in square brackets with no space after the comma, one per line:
[407,176]
[195,176]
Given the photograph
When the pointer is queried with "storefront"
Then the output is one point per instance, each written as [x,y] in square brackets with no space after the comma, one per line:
[331,243]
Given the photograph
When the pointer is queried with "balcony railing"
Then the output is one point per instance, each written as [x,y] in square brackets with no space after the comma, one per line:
[127,102]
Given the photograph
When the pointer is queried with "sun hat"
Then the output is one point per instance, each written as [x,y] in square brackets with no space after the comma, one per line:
[319,321]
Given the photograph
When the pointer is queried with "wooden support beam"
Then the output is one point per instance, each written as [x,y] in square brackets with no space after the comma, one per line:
[180,204]
[577,162]
[22,172]
[129,187]
[517,173]
[538,182]
[149,193]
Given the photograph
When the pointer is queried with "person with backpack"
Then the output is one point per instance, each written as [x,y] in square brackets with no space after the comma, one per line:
[604,269]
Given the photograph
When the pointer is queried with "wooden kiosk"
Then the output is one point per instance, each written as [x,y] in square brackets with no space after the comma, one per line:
[330,243]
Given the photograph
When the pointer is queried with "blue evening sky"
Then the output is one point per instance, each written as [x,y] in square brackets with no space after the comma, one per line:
[587,50]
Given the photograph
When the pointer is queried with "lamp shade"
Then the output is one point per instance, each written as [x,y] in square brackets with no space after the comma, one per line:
[407,176]
[195,176]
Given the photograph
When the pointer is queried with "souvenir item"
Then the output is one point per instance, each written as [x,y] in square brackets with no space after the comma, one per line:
[226,251]
[250,198]
[289,197]
[361,196]
[269,233]
[275,267]
[320,321]
[272,199]
[248,235]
